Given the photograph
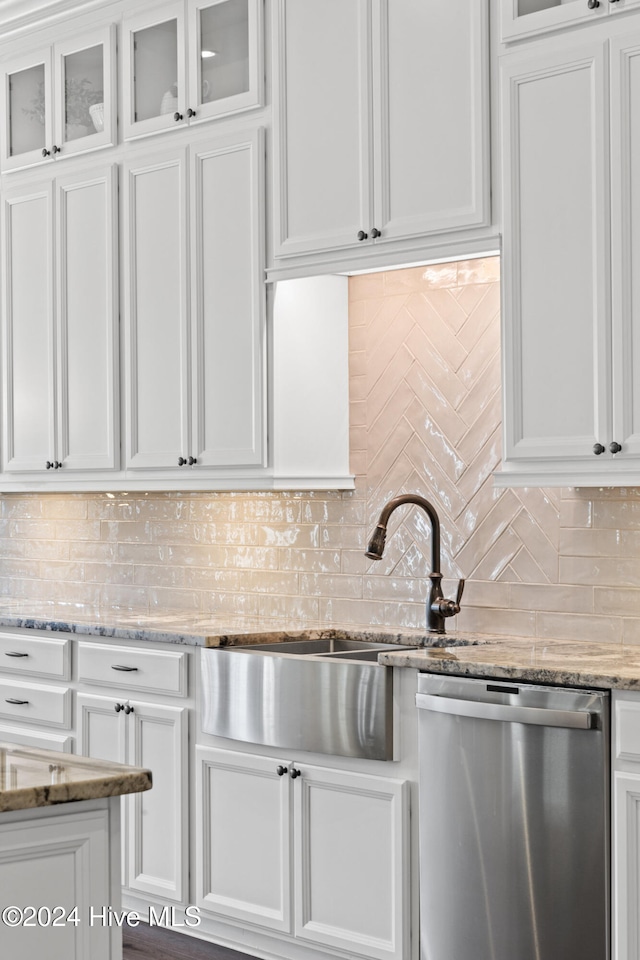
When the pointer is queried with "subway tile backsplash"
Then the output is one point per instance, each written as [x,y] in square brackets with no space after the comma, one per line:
[425,418]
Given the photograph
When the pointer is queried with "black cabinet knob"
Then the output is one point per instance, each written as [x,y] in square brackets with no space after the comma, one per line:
[45,152]
[614,447]
[598,449]
[56,464]
[592,4]
[293,773]
[55,149]
[191,113]
[191,461]
[281,770]
[118,707]
[128,708]
[375,233]
[362,235]
[49,464]
[181,461]
[177,116]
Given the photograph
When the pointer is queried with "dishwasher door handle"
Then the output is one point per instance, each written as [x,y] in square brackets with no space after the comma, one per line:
[542,716]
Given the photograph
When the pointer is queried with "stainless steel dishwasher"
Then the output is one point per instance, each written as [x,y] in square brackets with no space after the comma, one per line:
[514,821]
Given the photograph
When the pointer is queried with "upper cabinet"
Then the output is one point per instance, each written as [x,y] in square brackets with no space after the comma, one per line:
[188,62]
[571,307]
[526,18]
[59,101]
[381,123]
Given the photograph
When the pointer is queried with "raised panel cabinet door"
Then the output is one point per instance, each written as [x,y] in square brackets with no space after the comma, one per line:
[156,311]
[555,266]
[29,440]
[158,824]
[351,862]
[243,822]
[625,239]
[323,151]
[626,866]
[228,301]
[88,321]
[58,860]
[431,110]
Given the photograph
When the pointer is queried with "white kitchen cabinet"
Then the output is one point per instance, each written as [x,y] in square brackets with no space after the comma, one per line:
[60,100]
[348,866]
[526,18]
[60,325]
[188,62]
[571,230]
[365,152]
[150,735]
[194,307]
[625,841]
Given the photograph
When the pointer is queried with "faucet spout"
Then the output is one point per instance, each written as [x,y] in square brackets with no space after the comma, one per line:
[438,608]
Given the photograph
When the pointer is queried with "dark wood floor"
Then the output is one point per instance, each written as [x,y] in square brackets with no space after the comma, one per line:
[158,943]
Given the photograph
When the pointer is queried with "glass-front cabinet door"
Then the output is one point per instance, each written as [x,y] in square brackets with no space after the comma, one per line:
[225,56]
[154,71]
[26,128]
[59,101]
[190,61]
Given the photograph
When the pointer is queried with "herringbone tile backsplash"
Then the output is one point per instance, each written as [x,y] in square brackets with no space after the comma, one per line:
[425,418]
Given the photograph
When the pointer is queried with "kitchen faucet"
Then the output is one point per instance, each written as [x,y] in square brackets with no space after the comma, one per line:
[438,607]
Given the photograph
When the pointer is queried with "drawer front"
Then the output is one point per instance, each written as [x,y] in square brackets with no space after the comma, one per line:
[35,703]
[35,656]
[152,671]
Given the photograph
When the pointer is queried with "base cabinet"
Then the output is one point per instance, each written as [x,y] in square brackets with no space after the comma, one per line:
[155,827]
[334,842]
[625,843]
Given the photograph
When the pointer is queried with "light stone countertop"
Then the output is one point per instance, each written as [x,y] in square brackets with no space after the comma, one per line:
[561,662]
[41,778]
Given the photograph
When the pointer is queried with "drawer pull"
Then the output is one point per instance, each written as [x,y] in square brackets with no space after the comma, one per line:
[119,666]
[15,653]
[18,703]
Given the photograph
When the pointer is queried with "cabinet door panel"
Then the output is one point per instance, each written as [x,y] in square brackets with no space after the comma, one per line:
[556,315]
[432,151]
[228,305]
[243,814]
[156,312]
[157,861]
[324,189]
[352,862]
[87,321]
[625,240]
[26,128]
[85,85]
[29,438]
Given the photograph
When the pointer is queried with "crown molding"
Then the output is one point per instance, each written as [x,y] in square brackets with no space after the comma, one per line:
[17,16]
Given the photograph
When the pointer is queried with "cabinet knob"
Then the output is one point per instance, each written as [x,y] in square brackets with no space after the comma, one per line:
[128,708]
[177,116]
[598,449]
[191,461]
[375,233]
[614,447]
[281,770]
[191,113]
[55,149]
[592,4]
[45,152]
[49,464]
[293,773]
[181,461]
[362,235]
[56,464]
[118,707]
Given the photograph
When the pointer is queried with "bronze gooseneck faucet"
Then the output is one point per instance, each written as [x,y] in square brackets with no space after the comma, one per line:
[438,607]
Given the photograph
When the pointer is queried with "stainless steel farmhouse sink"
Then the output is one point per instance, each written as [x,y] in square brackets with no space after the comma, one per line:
[327,695]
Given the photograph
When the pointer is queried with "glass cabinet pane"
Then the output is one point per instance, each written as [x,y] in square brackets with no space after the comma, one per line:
[83,93]
[155,57]
[224,50]
[27,111]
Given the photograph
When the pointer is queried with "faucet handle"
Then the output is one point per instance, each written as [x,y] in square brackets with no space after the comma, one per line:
[449,608]
[460,592]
